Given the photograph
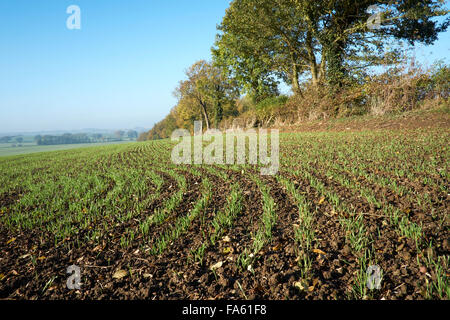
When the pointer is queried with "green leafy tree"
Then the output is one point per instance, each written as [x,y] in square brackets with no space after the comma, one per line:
[132,134]
[97,136]
[119,134]
[5,139]
[249,72]
[321,39]
[207,89]
[162,129]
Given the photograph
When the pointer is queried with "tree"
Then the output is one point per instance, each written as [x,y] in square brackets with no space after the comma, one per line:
[185,114]
[38,139]
[19,139]
[206,89]
[323,39]
[251,74]
[97,136]
[119,134]
[66,138]
[162,129]
[5,139]
[132,134]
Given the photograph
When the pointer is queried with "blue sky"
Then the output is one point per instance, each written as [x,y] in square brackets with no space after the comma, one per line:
[118,71]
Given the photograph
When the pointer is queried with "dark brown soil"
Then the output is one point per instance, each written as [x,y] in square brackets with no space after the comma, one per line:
[8,198]
[33,267]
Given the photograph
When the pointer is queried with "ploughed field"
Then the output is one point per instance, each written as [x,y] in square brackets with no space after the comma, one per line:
[141,227]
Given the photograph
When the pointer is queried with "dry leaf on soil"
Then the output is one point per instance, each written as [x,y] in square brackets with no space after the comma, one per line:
[119,274]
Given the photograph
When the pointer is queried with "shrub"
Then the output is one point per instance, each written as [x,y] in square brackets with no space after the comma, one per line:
[393,91]
[322,102]
[409,89]
[267,109]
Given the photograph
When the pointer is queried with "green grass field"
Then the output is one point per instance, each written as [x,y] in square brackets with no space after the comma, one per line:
[6,149]
[142,227]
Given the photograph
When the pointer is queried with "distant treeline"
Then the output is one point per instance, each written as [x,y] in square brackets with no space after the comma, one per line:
[7,139]
[69,138]
[64,139]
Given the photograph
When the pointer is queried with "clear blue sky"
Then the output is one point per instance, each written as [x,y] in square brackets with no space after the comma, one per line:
[118,71]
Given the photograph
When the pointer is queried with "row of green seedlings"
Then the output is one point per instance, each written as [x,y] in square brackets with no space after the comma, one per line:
[263,235]
[161,214]
[24,168]
[43,195]
[355,233]
[404,227]
[158,151]
[136,175]
[304,232]
[439,287]
[421,166]
[183,223]
[400,159]
[97,216]
[131,195]
[423,200]
[51,200]
[54,204]
[397,157]
[158,215]
[400,172]
[135,157]
[222,221]
[411,230]
[397,218]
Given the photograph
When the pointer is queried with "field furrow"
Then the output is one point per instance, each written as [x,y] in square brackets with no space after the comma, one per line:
[142,227]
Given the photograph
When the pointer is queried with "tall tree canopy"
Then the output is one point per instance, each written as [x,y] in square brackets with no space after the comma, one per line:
[205,91]
[261,40]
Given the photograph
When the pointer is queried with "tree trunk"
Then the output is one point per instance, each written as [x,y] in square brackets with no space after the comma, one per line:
[314,74]
[335,60]
[323,66]
[295,79]
[218,110]
[312,59]
[205,114]
[219,113]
